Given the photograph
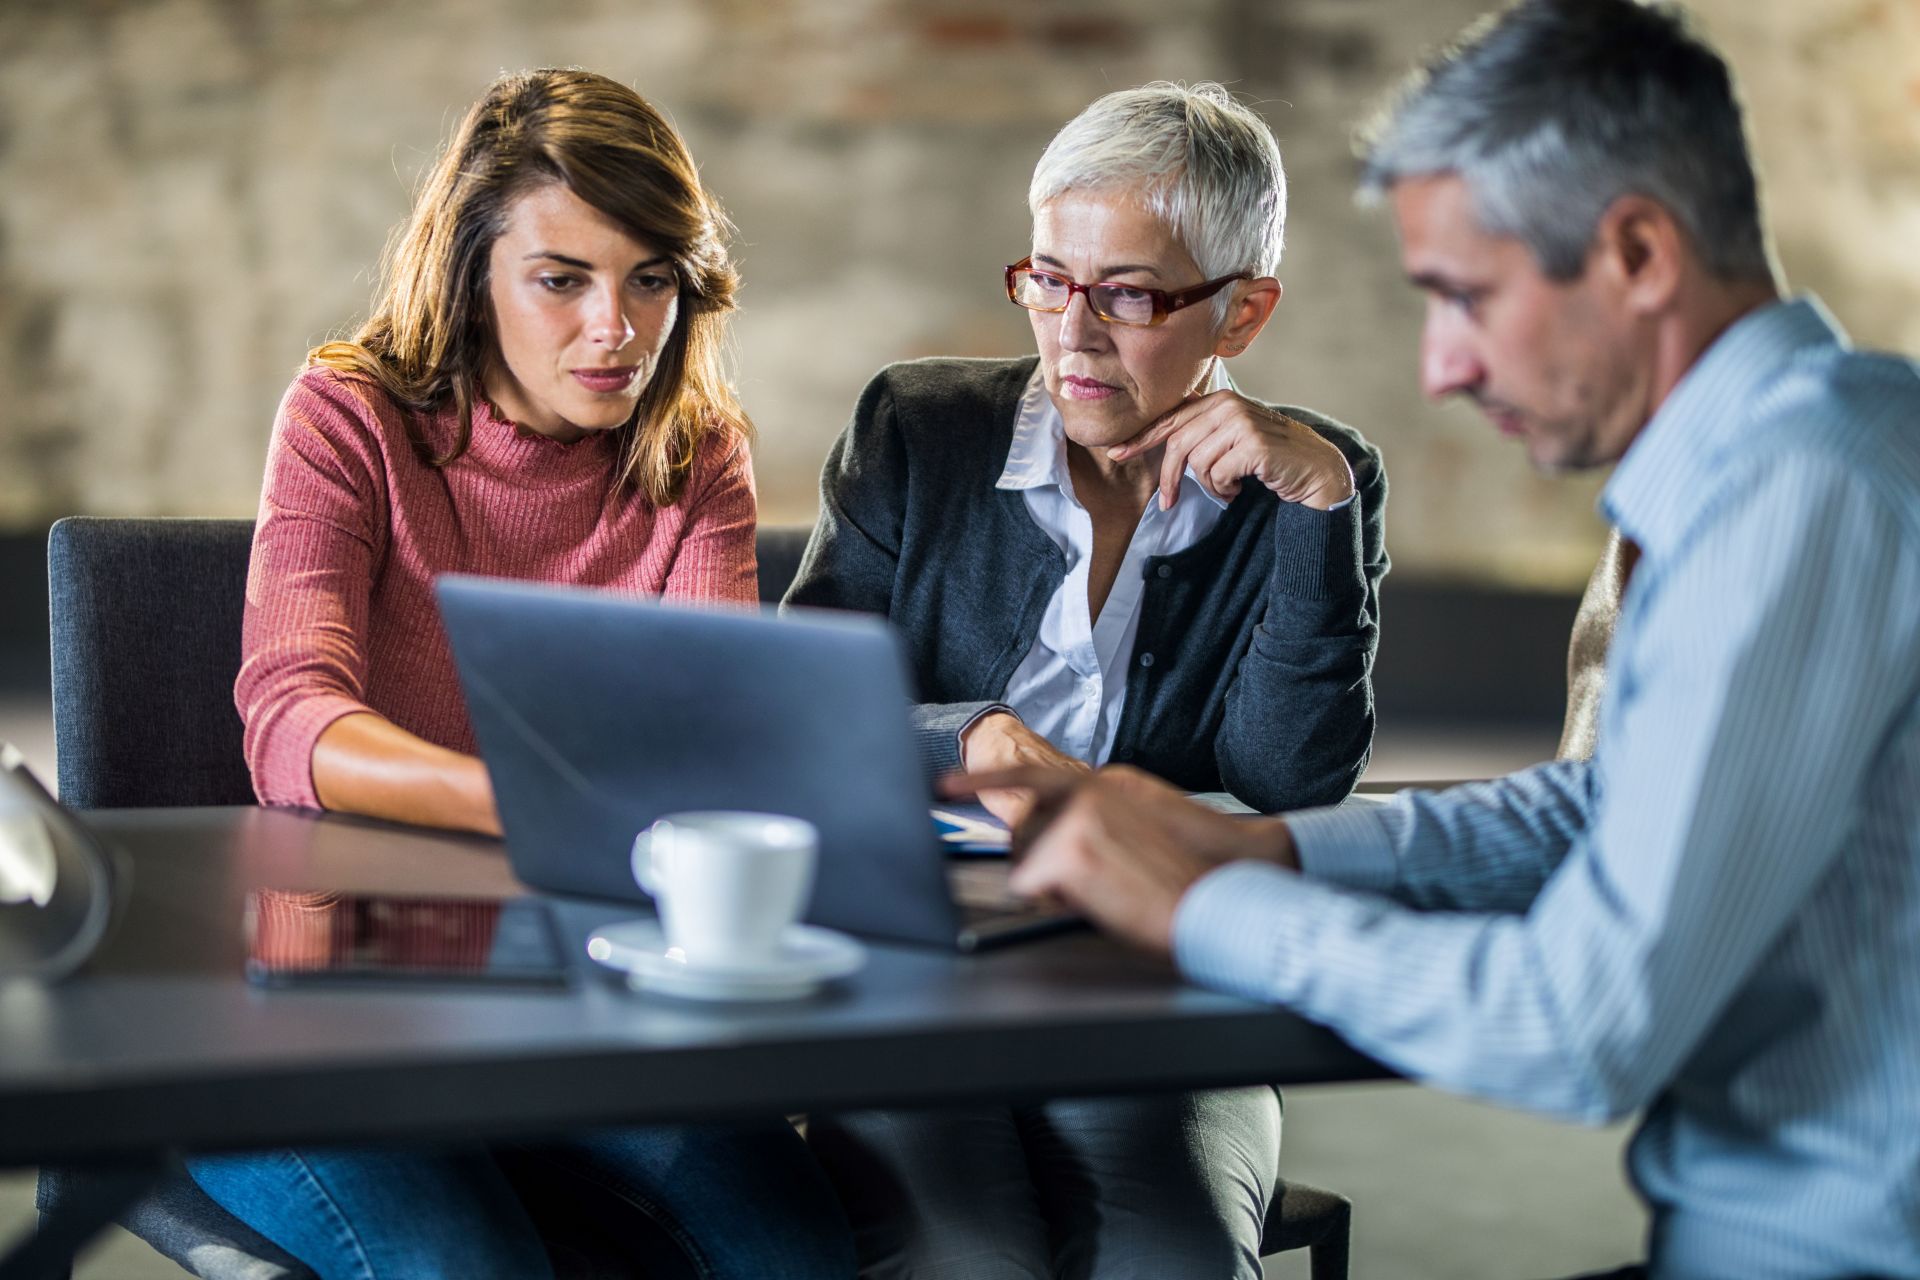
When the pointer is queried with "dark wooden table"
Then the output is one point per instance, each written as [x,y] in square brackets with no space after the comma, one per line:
[160,1044]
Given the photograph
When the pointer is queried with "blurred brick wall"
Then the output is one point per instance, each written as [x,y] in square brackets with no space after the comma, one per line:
[192,192]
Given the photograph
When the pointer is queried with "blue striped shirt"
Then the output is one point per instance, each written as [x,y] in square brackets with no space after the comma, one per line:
[1717,920]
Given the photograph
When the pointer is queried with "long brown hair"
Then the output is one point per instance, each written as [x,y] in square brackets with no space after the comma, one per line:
[430,337]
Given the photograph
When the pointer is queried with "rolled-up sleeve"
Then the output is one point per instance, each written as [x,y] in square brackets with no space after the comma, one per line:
[1576,930]
[320,532]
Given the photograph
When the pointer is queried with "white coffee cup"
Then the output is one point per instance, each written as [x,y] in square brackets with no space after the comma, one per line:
[727,883]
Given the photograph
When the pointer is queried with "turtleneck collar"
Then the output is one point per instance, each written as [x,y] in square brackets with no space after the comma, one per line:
[524,457]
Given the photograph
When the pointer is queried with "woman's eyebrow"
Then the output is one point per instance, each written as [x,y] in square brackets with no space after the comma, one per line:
[1106,273]
[560,258]
[659,259]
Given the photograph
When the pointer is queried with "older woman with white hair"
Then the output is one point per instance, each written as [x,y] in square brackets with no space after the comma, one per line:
[1107,552]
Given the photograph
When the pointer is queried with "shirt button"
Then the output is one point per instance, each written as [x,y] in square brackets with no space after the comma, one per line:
[1164,571]
[1146,659]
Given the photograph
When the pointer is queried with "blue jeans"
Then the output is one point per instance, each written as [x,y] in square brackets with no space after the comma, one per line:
[1078,1189]
[741,1201]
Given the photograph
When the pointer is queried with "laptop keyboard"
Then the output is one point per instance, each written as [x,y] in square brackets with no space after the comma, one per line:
[990,913]
[979,885]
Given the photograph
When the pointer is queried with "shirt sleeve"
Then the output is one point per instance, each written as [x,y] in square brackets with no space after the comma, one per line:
[714,561]
[1311,653]
[1757,681]
[321,529]
[1485,846]
[854,554]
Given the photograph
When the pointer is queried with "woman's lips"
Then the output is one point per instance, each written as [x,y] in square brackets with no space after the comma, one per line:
[606,380]
[1078,388]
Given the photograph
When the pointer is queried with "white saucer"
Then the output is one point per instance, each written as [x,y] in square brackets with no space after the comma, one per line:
[808,957]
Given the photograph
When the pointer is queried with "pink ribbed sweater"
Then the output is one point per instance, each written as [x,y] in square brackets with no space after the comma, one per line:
[353,527]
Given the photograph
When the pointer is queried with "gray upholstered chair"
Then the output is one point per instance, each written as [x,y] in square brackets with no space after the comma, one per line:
[779,548]
[1587,648]
[1304,1217]
[145,618]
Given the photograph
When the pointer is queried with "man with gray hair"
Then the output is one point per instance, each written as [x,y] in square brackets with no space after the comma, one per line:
[1715,921]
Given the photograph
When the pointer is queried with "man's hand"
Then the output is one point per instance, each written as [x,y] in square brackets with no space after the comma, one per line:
[1122,847]
[1225,437]
[999,742]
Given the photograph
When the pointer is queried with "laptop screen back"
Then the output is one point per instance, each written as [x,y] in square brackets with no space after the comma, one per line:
[598,713]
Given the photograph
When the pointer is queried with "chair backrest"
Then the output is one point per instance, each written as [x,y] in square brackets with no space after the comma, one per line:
[146,644]
[779,548]
[1587,649]
[145,620]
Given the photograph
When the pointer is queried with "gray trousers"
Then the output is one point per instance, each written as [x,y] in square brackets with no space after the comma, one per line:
[1160,1187]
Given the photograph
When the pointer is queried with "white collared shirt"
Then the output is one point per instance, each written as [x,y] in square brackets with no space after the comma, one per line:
[1072,685]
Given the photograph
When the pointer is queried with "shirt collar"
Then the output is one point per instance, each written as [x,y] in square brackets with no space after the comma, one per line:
[1655,491]
[1039,454]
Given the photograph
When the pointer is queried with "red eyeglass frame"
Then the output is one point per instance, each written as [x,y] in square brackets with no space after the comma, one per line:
[1165,303]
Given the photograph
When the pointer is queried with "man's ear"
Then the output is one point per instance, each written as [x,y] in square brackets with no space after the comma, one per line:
[1252,306]
[1644,250]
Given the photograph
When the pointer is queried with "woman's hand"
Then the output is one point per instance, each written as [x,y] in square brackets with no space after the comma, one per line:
[1225,438]
[1000,741]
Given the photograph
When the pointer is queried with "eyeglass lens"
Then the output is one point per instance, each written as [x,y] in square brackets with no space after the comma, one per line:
[1043,291]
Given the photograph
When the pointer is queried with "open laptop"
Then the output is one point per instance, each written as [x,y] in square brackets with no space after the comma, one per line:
[598,713]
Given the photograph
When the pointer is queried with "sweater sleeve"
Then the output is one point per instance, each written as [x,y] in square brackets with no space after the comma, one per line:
[714,561]
[853,557]
[321,531]
[1298,725]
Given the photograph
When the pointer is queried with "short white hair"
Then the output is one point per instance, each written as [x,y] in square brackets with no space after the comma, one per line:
[1202,162]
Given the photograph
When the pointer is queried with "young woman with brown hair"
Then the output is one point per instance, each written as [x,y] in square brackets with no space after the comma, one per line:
[537,395]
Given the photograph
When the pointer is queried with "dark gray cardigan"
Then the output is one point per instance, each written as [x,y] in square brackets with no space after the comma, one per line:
[1251,669]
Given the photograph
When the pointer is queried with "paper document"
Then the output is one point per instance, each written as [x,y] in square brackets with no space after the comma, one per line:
[969,830]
